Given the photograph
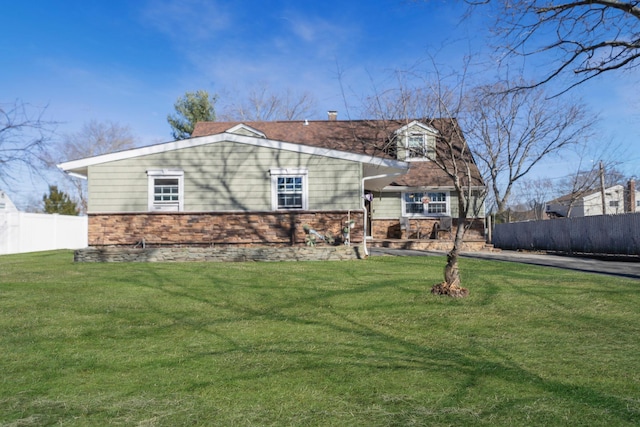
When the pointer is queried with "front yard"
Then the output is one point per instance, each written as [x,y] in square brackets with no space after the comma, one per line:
[314,343]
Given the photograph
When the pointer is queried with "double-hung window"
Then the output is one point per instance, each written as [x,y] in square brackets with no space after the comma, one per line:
[413,203]
[289,189]
[415,146]
[437,204]
[166,190]
[420,146]
[425,204]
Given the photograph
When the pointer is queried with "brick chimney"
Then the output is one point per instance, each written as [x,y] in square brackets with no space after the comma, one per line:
[631,197]
[333,115]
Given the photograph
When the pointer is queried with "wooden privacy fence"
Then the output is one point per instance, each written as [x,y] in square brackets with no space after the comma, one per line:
[602,234]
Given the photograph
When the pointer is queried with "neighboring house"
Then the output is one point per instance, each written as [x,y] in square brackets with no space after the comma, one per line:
[520,213]
[6,205]
[263,182]
[617,199]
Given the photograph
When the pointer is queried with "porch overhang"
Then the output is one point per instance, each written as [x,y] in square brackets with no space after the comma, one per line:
[376,177]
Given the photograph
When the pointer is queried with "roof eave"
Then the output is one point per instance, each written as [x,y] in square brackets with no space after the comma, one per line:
[80,166]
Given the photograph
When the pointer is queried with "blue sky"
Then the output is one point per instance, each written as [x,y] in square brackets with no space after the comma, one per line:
[127,61]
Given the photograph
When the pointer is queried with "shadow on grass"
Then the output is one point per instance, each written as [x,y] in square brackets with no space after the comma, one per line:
[371,346]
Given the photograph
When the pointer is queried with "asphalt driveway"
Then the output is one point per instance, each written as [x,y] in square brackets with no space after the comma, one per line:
[615,266]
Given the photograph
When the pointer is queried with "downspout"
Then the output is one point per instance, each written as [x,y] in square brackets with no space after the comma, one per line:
[364,207]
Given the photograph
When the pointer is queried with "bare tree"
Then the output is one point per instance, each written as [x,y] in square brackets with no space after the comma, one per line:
[93,139]
[96,138]
[454,157]
[401,102]
[509,132]
[586,38]
[584,181]
[262,104]
[513,131]
[589,163]
[576,186]
[534,193]
[24,137]
[433,98]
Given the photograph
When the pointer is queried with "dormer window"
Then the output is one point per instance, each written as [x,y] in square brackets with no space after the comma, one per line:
[416,142]
[420,146]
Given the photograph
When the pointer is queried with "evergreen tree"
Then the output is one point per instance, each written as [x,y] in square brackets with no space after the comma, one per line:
[191,108]
[59,202]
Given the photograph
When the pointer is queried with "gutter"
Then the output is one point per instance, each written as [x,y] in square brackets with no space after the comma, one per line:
[75,175]
[364,208]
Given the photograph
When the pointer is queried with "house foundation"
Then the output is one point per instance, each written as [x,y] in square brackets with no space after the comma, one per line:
[218,254]
[424,228]
[220,228]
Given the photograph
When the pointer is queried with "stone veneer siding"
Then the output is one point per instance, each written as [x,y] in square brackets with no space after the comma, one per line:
[218,254]
[210,229]
[390,229]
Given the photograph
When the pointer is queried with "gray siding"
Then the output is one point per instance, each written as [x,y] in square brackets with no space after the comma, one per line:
[117,189]
[224,177]
[386,205]
[389,205]
[477,205]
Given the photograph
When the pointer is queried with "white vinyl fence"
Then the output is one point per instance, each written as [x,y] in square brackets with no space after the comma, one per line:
[29,232]
[602,234]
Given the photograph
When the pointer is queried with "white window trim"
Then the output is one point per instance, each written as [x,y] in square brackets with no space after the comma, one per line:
[424,211]
[428,143]
[284,172]
[165,173]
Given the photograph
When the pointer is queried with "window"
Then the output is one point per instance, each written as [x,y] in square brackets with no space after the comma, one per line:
[415,146]
[289,189]
[423,203]
[413,203]
[165,190]
[289,192]
[437,203]
[613,203]
[420,146]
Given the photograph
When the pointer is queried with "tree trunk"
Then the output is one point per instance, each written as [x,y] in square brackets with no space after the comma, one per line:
[451,285]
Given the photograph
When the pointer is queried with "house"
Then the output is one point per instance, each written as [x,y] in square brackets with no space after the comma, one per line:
[6,205]
[247,183]
[617,199]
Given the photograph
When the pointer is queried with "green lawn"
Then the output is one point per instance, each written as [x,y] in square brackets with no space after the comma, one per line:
[353,343]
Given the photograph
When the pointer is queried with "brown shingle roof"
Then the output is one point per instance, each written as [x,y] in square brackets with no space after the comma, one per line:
[362,137]
[371,137]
